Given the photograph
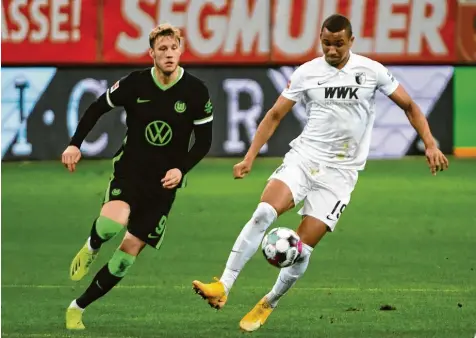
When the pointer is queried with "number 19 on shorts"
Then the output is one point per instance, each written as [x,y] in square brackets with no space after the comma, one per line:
[338,209]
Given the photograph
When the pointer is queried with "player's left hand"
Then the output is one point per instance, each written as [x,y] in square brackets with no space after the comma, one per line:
[172,178]
[71,157]
[436,160]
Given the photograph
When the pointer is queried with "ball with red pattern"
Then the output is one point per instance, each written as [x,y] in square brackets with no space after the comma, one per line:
[281,247]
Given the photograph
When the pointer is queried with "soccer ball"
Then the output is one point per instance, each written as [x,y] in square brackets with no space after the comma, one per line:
[281,247]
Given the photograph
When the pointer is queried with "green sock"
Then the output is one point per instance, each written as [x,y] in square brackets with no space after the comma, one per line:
[103,230]
[107,278]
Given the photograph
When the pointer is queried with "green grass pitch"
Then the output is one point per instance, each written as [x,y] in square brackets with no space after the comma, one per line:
[407,239]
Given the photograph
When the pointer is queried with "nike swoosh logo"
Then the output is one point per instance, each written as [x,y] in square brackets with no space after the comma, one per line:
[321,83]
[139,100]
[152,236]
[330,219]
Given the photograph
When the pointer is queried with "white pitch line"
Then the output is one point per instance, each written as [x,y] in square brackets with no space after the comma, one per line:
[183,287]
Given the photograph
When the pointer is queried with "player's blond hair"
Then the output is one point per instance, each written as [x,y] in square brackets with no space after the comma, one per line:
[164,29]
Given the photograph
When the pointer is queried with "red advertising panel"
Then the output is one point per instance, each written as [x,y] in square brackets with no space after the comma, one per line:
[386,30]
[49,31]
[281,31]
[216,31]
[466,32]
[224,31]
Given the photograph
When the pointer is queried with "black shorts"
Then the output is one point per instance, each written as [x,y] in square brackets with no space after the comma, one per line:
[150,206]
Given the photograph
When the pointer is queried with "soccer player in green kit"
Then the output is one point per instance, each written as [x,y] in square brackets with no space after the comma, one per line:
[164,105]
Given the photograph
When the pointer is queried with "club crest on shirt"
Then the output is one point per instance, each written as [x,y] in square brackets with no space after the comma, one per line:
[180,106]
[360,78]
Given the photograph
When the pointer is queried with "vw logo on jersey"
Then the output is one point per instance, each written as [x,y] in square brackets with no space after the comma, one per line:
[360,78]
[158,133]
[180,106]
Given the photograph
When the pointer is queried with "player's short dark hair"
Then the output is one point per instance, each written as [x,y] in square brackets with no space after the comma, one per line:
[336,23]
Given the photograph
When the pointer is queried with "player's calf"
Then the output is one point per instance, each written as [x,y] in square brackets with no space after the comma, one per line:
[256,318]
[289,276]
[108,277]
[103,229]
[248,242]
[111,273]
[103,282]
[311,231]
[277,198]
[244,248]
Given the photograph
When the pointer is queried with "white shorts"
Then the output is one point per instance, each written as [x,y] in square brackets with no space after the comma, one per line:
[326,191]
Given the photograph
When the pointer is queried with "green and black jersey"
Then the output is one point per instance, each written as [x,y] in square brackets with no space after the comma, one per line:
[160,120]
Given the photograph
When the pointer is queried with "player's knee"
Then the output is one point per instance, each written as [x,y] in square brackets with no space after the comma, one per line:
[278,195]
[132,244]
[312,230]
[118,211]
[264,215]
[120,263]
[106,228]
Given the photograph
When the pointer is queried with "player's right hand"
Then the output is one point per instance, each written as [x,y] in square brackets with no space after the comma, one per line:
[436,160]
[71,157]
[241,169]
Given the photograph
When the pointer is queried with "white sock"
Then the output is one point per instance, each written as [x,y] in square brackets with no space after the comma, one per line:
[89,244]
[247,243]
[288,276]
[75,305]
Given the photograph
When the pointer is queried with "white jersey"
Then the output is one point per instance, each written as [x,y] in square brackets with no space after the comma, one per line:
[340,105]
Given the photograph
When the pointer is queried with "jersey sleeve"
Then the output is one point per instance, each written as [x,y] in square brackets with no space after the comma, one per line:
[121,92]
[386,82]
[295,89]
[204,109]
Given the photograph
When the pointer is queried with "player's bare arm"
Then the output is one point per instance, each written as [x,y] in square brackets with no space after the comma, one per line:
[72,153]
[264,132]
[436,160]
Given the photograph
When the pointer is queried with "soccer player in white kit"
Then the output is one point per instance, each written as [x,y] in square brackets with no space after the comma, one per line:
[322,165]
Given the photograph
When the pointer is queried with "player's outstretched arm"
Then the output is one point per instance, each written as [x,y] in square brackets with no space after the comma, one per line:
[201,147]
[119,94]
[435,158]
[72,154]
[264,132]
